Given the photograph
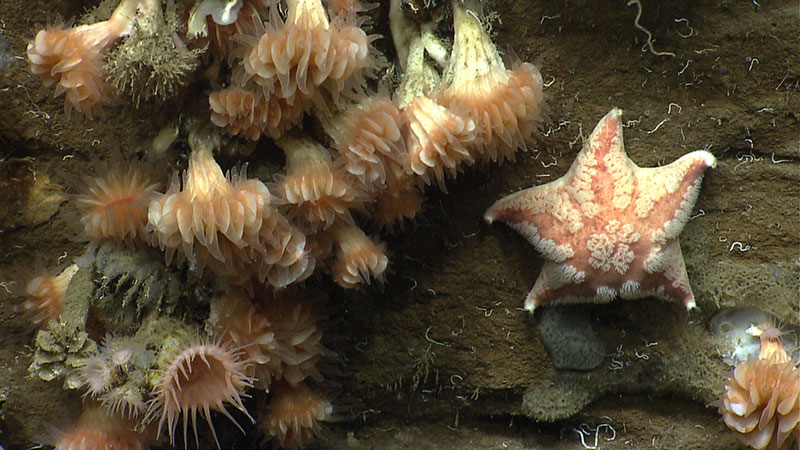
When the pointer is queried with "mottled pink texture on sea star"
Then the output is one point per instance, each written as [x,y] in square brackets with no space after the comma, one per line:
[608,227]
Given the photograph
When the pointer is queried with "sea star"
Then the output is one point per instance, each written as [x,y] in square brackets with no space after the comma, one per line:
[608,227]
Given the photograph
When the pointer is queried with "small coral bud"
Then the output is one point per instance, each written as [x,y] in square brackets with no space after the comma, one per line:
[293,416]
[358,258]
[45,295]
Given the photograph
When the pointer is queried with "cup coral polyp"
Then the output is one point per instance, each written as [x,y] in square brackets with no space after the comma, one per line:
[235,318]
[114,204]
[437,140]
[225,223]
[762,403]
[306,51]
[507,105]
[400,201]
[358,258]
[98,430]
[293,416]
[197,377]
[252,114]
[316,189]
[299,339]
[73,58]
[368,139]
[45,295]
[291,56]
[762,400]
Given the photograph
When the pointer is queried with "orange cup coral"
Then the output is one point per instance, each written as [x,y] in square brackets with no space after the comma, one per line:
[197,377]
[228,224]
[369,140]
[316,190]
[45,295]
[437,140]
[235,319]
[306,50]
[507,105]
[252,114]
[73,58]
[293,416]
[299,339]
[97,430]
[761,401]
[358,258]
[400,201]
[114,204]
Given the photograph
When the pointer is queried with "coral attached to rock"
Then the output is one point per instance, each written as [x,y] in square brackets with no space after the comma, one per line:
[294,415]
[227,223]
[761,401]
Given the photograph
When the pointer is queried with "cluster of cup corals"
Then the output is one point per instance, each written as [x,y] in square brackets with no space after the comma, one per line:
[290,62]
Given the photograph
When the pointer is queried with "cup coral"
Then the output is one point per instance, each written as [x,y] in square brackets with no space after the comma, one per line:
[251,114]
[400,201]
[293,416]
[305,51]
[236,319]
[368,139]
[437,140]
[299,339]
[97,430]
[761,401]
[73,58]
[358,258]
[226,223]
[44,295]
[197,376]
[114,204]
[507,105]
[316,190]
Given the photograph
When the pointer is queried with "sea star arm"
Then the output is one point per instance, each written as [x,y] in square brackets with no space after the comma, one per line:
[667,194]
[539,214]
[669,279]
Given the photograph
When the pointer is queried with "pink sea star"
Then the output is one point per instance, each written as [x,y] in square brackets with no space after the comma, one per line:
[608,227]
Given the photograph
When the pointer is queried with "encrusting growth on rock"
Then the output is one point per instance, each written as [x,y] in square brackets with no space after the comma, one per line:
[269,68]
